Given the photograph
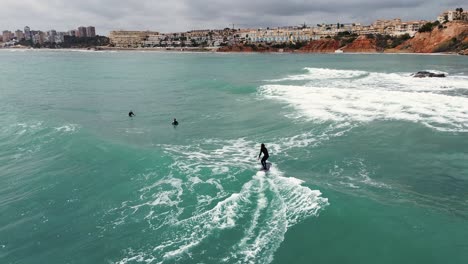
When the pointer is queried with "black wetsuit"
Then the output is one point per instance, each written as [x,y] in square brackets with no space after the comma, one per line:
[175,123]
[265,157]
[131,114]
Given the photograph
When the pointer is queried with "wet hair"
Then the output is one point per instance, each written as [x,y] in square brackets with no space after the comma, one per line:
[263,145]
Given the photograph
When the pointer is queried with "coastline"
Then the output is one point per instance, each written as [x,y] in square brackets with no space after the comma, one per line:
[216,50]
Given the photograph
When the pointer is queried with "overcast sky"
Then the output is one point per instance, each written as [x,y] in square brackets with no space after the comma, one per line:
[183,15]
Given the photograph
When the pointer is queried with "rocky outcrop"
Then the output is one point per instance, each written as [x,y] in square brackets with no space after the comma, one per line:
[321,46]
[423,74]
[361,44]
[448,37]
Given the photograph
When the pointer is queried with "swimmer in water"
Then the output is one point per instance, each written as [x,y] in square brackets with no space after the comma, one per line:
[175,123]
[131,114]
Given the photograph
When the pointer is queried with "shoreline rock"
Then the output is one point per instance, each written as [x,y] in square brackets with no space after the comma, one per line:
[424,74]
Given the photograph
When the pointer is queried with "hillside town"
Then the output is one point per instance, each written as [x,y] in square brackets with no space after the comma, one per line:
[303,33]
[219,39]
[230,36]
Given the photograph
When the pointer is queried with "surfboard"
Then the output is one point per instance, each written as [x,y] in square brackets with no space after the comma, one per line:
[268,165]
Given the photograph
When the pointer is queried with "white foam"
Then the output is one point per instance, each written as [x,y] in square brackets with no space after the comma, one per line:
[261,211]
[334,78]
[311,138]
[30,125]
[405,82]
[322,73]
[334,104]
[67,128]
[288,203]
[355,173]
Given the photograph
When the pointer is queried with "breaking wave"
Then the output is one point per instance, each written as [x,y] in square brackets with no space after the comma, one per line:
[363,97]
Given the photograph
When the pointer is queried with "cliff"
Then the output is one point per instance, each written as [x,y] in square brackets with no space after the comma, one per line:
[326,45]
[321,46]
[361,44]
[448,37]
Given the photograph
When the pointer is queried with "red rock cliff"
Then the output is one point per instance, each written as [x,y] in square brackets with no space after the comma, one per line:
[453,34]
[322,45]
[361,44]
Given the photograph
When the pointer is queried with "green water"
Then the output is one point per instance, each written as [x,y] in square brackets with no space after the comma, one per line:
[369,163]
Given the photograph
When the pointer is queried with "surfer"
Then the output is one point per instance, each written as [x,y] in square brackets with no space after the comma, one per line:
[131,114]
[264,150]
[175,123]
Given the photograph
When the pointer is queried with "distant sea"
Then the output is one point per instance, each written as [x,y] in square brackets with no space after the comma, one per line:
[370,165]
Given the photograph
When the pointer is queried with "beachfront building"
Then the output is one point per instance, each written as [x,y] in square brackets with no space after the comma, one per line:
[60,37]
[38,37]
[7,35]
[130,39]
[91,31]
[27,33]
[81,33]
[280,35]
[155,40]
[19,35]
[193,38]
[51,36]
[203,37]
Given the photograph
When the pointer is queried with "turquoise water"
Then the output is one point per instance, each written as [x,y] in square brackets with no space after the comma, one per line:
[369,164]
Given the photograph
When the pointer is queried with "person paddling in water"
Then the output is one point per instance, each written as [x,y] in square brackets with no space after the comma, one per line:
[175,123]
[131,114]
[264,150]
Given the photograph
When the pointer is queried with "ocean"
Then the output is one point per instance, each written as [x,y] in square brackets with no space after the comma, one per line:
[369,164]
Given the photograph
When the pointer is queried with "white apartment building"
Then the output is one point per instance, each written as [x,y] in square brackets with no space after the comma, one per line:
[409,27]
[130,39]
[154,40]
[452,15]
[280,35]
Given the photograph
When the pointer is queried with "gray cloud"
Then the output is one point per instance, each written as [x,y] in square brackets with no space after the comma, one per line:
[182,15]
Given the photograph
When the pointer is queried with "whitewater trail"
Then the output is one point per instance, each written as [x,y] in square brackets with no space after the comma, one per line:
[259,213]
[262,211]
